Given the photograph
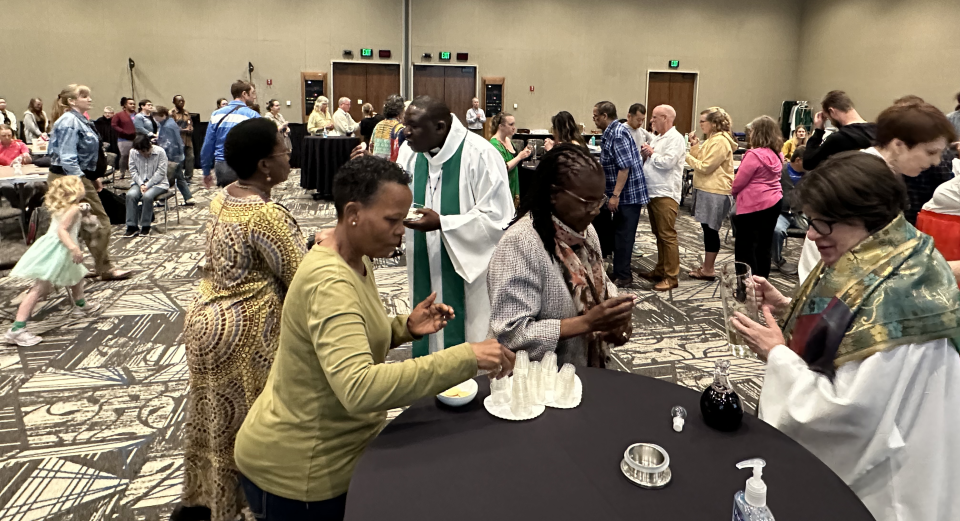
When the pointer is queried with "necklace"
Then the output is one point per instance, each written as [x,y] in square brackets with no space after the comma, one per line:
[254,189]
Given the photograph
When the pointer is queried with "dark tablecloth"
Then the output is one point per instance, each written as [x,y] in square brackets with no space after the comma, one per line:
[436,462]
[320,159]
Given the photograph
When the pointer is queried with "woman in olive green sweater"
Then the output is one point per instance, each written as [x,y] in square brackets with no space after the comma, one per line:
[329,390]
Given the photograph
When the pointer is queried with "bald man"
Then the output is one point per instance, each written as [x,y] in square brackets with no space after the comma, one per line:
[343,123]
[663,170]
[475,117]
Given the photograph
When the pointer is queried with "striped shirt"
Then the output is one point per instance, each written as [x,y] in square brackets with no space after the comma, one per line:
[234,113]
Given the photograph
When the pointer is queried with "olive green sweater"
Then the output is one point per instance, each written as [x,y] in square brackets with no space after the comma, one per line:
[329,389]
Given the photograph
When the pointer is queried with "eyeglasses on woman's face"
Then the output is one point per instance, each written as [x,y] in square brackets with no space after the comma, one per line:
[822,226]
[589,206]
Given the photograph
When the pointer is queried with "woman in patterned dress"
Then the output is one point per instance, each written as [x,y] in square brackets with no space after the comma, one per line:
[254,247]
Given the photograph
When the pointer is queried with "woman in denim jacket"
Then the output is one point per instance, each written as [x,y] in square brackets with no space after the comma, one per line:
[73,151]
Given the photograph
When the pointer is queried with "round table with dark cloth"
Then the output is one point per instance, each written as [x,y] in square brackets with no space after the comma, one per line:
[320,158]
[438,462]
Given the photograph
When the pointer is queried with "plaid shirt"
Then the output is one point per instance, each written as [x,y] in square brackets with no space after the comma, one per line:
[619,152]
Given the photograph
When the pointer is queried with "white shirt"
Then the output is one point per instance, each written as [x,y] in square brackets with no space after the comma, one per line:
[475,118]
[946,199]
[343,123]
[663,170]
[13,121]
[886,425]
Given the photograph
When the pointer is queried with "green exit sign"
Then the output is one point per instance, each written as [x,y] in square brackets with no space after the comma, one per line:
[445,56]
[674,64]
[366,53]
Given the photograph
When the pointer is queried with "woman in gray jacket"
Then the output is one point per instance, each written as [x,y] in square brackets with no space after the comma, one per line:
[548,288]
[148,180]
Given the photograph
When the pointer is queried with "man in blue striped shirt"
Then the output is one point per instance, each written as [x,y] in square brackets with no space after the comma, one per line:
[626,187]
[222,120]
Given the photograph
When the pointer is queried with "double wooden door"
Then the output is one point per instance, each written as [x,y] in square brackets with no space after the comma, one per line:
[454,85]
[677,89]
[364,83]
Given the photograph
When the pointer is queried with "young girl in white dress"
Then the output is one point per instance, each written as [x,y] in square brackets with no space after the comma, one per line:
[54,260]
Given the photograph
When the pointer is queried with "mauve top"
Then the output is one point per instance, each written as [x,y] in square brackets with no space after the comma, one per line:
[756,184]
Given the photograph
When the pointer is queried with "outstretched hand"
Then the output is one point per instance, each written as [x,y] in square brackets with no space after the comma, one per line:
[429,317]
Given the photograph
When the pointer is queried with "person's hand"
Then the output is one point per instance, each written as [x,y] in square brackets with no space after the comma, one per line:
[694,140]
[330,126]
[548,144]
[76,254]
[97,185]
[208,181]
[493,357]
[428,223]
[143,189]
[613,203]
[525,153]
[819,120]
[620,335]
[646,150]
[768,295]
[611,314]
[760,338]
[358,151]
[26,159]
[429,317]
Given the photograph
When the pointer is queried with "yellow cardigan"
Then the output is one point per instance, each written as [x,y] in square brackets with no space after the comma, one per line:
[712,164]
[318,121]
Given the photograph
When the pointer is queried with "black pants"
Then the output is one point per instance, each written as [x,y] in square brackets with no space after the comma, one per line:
[754,238]
[711,239]
[603,224]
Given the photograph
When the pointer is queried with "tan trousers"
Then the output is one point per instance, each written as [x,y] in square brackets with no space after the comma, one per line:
[99,242]
[663,222]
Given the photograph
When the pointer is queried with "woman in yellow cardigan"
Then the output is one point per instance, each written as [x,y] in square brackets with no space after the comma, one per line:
[329,389]
[799,139]
[712,165]
[320,118]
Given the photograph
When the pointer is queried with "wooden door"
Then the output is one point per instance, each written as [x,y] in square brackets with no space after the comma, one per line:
[676,89]
[383,80]
[459,88]
[455,86]
[364,83]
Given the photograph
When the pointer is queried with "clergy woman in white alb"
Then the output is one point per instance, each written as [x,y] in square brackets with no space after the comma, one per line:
[461,182]
[866,373]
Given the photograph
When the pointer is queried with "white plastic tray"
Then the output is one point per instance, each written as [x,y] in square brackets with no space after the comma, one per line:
[504,413]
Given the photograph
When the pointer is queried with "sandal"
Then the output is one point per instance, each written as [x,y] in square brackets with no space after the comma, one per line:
[698,274]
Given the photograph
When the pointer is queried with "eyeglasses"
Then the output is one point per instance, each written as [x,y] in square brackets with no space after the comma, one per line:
[822,226]
[590,206]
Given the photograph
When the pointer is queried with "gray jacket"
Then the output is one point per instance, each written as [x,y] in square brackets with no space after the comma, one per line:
[149,170]
[529,297]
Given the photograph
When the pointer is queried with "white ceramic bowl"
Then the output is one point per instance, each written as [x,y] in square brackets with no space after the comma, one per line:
[469,386]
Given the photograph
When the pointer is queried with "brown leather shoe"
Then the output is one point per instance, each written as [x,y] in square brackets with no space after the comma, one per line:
[116,275]
[666,285]
[651,276]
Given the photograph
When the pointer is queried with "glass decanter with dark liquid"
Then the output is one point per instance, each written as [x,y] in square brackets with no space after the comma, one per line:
[719,405]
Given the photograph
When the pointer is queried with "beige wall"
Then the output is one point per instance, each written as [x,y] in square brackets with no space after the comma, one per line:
[189,47]
[879,50]
[576,53]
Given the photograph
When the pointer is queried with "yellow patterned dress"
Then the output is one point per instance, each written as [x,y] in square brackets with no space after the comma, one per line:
[231,334]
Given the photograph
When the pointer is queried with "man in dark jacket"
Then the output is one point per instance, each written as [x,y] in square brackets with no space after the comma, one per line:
[854,133]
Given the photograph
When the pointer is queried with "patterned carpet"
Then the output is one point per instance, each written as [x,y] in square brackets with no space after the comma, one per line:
[90,419]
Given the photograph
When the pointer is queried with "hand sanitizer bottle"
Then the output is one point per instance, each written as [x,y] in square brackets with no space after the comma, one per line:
[751,504]
[593,141]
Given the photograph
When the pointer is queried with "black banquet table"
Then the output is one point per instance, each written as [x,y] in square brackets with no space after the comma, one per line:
[437,462]
[321,157]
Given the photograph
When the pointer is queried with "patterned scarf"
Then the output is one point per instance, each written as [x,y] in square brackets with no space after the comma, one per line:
[583,272]
[890,290]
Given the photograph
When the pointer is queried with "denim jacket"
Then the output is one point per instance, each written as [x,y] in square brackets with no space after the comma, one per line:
[168,137]
[73,144]
[143,125]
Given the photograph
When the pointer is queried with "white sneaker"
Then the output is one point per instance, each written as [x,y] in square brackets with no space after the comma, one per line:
[22,338]
[82,312]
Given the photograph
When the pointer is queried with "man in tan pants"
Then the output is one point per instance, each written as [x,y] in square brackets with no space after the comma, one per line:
[99,242]
[663,160]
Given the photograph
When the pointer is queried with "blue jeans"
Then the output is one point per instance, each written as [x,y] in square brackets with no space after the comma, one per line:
[625,221]
[133,203]
[270,507]
[779,237]
[175,175]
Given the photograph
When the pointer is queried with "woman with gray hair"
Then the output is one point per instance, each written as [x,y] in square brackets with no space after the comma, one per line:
[548,289]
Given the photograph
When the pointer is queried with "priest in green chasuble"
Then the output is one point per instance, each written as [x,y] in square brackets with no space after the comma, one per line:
[460,181]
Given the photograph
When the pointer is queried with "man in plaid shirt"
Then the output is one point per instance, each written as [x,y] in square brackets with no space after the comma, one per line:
[626,189]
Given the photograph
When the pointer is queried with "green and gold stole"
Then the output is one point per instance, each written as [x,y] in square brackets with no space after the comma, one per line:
[453,285]
[892,289]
